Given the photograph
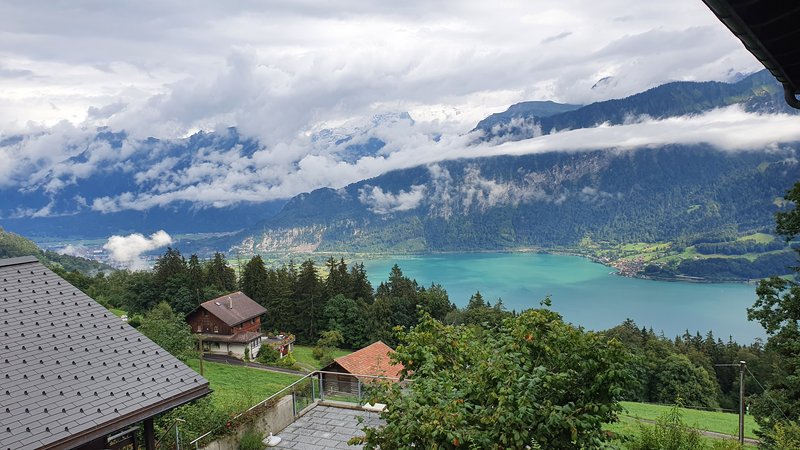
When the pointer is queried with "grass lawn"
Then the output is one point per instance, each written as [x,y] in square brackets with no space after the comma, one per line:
[629,427]
[705,420]
[118,312]
[241,387]
[306,360]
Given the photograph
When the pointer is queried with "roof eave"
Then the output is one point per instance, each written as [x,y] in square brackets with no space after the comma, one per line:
[105,429]
[728,16]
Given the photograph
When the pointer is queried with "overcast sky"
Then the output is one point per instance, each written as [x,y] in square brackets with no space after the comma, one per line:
[282,72]
[280,68]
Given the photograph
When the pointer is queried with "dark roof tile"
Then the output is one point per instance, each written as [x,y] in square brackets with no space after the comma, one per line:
[233,309]
[59,347]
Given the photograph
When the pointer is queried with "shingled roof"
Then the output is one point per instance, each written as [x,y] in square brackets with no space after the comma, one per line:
[233,309]
[371,360]
[73,372]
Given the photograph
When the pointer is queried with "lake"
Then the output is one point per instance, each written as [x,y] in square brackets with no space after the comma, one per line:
[584,292]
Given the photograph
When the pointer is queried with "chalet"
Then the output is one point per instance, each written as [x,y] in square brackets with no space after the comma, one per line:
[372,361]
[229,325]
[73,375]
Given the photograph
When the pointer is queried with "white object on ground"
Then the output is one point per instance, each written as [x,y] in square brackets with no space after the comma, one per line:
[271,441]
[377,407]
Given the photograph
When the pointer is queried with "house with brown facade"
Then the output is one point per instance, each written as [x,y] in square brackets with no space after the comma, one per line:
[345,374]
[229,325]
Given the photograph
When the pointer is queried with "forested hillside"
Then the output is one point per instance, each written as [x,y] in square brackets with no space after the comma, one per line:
[13,245]
[550,200]
[758,92]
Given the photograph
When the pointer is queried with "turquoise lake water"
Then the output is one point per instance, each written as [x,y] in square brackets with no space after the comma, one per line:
[584,292]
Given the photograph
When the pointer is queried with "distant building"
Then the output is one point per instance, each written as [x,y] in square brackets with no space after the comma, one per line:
[72,375]
[229,325]
[372,360]
[283,343]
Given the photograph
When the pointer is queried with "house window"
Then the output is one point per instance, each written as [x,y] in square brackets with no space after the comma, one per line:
[199,328]
[216,329]
[205,313]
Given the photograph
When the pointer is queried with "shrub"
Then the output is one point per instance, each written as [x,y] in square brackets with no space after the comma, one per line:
[786,435]
[268,354]
[251,440]
[669,433]
[288,362]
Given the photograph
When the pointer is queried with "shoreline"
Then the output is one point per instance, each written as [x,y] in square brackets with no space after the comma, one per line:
[617,270]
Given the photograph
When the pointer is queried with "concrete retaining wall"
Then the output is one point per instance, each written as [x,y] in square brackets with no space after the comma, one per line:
[273,420]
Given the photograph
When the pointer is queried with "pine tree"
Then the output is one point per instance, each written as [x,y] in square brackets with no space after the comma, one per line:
[308,305]
[254,280]
[219,275]
[196,279]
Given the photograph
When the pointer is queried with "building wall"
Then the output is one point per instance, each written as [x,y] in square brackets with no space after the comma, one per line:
[232,348]
[206,322]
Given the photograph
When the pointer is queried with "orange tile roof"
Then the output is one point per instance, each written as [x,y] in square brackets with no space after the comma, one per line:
[371,360]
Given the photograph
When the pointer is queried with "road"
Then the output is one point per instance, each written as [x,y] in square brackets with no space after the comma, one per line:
[223,359]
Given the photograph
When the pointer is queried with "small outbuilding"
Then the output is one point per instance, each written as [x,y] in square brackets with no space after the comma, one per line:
[72,374]
[369,363]
[229,325]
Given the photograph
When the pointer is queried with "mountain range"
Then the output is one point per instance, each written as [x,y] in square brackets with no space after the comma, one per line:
[544,200]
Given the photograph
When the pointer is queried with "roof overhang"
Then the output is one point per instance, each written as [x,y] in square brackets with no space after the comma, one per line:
[107,428]
[769,30]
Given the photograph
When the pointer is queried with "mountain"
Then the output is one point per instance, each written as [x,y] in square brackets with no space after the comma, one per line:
[13,245]
[523,111]
[110,183]
[63,201]
[543,200]
[758,92]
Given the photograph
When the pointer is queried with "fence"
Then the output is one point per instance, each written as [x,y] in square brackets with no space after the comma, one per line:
[278,411]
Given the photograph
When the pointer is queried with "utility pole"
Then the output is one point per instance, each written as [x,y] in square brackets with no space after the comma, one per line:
[201,355]
[742,367]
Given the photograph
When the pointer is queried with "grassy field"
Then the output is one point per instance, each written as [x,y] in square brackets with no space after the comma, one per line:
[704,420]
[239,386]
[307,361]
[628,427]
[118,312]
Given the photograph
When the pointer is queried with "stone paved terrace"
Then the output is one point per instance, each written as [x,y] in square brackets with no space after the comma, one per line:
[326,428]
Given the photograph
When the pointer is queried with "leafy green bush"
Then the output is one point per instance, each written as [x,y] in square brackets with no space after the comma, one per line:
[669,433]
[288,362]
[786,435]
[268,354]
[251,440]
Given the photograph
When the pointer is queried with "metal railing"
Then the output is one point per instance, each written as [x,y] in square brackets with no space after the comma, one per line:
[305,394]
[167,433]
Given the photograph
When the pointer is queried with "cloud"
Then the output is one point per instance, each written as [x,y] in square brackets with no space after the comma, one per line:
[381,202]
[74,250]
[277,69]
[128,250]
[556,37]
[219,175]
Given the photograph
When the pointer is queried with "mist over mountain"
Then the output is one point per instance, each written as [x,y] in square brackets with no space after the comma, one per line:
[93,183]
[758,93]
[544,201]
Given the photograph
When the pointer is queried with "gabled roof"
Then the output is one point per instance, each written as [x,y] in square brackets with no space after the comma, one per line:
[70,370]
[233,309]
[371,360]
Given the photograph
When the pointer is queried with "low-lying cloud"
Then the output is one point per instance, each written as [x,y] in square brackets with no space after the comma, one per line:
[128,250]
[381,202]
[219,176]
